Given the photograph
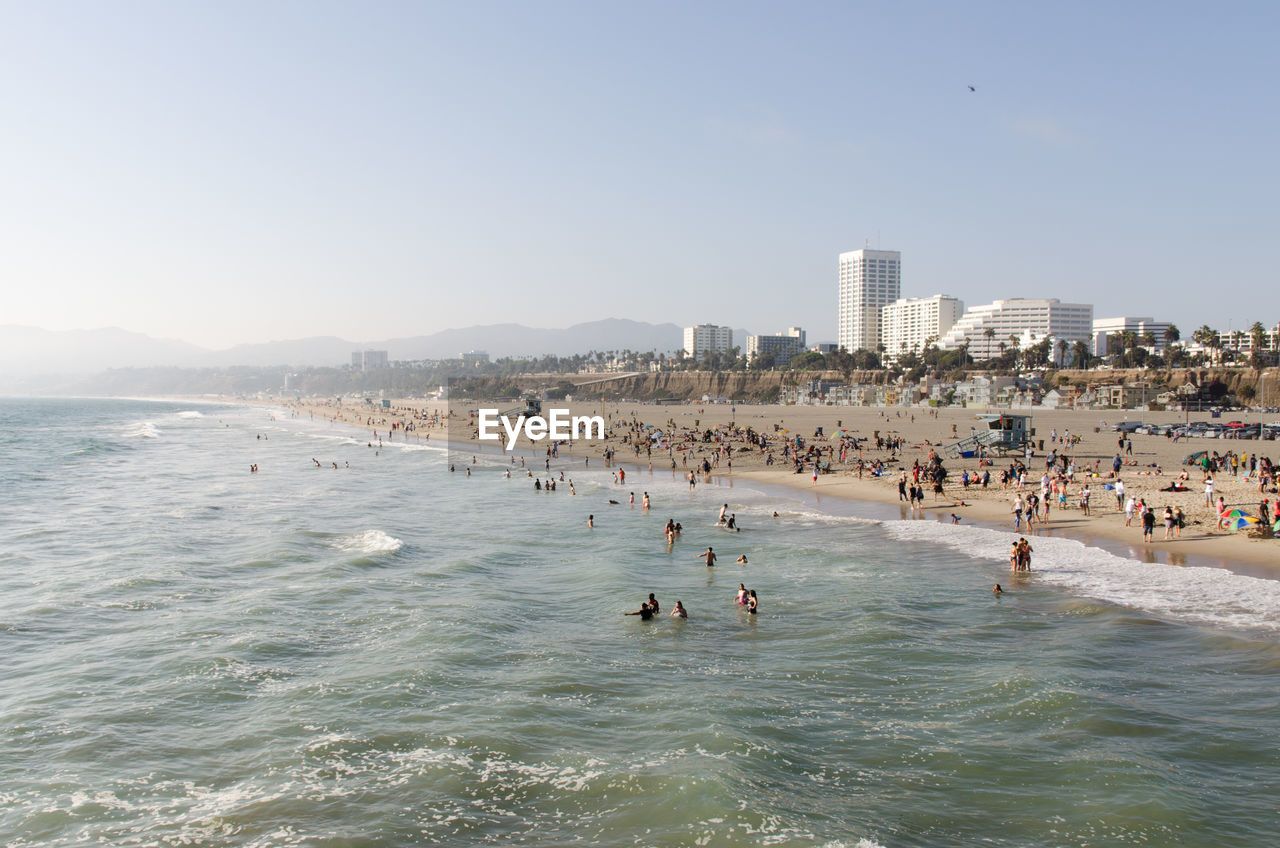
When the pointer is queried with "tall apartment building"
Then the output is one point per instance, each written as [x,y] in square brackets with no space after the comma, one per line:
[701,338]
[782,346]
[1029,319]
[869,281]
[908,322]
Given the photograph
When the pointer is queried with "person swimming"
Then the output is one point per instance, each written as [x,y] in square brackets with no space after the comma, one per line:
[997,590]
[709,556]
[742,559]
[752,603]
[679,611]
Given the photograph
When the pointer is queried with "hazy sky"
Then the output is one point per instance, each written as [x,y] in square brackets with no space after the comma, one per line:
[225,172]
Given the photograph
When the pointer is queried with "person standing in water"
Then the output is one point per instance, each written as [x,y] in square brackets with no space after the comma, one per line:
[709,556]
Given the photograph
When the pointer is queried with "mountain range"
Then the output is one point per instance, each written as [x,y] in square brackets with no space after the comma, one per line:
[33,352]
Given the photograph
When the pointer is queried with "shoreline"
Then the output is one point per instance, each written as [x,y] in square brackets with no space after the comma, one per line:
[1200,545]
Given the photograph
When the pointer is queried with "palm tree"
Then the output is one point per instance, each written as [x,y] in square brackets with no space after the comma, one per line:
[989,333]
[1062,351]
[1080,355]
[1171,335]
[1257,336]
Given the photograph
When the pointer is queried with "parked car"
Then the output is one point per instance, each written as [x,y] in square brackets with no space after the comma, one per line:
[1127,426]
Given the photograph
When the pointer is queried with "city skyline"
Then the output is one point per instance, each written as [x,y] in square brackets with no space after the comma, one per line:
[236,174]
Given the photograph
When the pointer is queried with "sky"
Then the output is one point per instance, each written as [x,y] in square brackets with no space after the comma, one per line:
[238,172]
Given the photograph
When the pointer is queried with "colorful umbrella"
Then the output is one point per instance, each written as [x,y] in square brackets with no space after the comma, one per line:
[1242,523]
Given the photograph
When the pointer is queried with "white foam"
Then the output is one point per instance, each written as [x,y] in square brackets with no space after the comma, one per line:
[190,413]
[142,430]
[368,542]
[1210,595]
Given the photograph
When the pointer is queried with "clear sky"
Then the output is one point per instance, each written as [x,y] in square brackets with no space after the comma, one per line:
[228,172]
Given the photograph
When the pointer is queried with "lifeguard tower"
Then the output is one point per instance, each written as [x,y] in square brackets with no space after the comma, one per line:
[999,434]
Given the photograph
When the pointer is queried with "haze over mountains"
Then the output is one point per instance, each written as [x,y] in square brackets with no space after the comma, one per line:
[32,352]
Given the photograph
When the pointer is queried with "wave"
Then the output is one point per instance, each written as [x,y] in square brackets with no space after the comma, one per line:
[1200,594]
[189,413]
[367,542]
[141,430]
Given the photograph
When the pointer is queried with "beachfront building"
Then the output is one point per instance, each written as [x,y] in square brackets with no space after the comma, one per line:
[1103,328]
[365,360]
[474,358]
[869,281]
[1029,320]
[907,323]
[781,347]
[707,338]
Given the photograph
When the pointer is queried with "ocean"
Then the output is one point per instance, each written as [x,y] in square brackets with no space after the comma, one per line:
[388,653]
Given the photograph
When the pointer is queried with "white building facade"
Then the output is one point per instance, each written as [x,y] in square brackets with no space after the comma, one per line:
[365,360]
[1030,320]
[869,281]
[1104,327]
[782,347]
[704,338]
[907,323]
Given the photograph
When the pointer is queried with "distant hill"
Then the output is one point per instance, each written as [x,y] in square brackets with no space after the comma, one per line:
[29,352]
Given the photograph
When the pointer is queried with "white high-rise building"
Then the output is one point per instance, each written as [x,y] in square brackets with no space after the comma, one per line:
[783,346]
[701,338]
[1027,319]
[908,322]
[869,281]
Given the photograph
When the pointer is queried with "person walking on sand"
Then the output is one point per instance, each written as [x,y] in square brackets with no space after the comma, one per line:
[1208,490]
[1148,524]
[709,557]
[1119,490]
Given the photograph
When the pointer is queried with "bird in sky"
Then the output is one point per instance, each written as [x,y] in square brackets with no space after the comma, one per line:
[971,88]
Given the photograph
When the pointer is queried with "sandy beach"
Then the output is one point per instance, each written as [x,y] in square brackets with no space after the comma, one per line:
[1085,437]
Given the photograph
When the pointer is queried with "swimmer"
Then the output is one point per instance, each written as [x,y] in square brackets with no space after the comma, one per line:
[591,521]
[679,611]
[612,501]
[653,603]
[753,606]
[742,559]
[775,513]
[741,598]
[732,523]
[709,556]
[644,612]
[997,591]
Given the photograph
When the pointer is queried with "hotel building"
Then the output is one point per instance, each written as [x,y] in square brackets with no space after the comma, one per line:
[782,346]
[701,338]
[1029,319]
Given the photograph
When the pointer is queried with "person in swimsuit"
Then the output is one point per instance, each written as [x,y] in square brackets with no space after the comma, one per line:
[709,556]
[591,521]
[997,591]
[742,559]
[679,611]
[653,604]
[732,524]
[752,604]
[644,612]
[741,599]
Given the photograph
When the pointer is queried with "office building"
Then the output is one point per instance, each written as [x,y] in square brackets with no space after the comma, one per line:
[907,323]
[869,281]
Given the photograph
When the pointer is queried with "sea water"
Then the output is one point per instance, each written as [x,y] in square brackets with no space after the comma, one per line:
[390,653]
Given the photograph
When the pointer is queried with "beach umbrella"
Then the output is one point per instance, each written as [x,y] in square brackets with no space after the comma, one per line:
[1275,526]
[1241,523]
[1236,513]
